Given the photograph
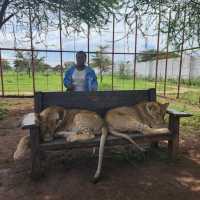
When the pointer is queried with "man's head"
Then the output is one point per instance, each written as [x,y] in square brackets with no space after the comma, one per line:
[80,59]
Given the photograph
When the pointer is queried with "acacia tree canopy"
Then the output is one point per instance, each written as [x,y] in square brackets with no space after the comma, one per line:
[102,61]
[73,12]
[148,14]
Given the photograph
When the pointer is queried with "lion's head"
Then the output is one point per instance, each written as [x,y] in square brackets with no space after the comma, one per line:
[50,120]
[157,112]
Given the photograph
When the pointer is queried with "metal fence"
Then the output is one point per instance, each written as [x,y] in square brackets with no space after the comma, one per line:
[158,83]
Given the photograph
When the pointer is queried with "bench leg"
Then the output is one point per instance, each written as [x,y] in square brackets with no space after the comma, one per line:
[36,167]
[172,148]
[155,145]
[35,154]
[173,144]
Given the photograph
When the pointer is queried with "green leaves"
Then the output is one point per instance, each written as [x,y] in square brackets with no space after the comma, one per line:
[148,11]
[77,14]
[74,13]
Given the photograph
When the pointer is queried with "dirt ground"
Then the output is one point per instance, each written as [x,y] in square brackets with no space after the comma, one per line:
[68,174]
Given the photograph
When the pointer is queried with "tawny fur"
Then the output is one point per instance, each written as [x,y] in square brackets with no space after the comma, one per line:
[73,124]
[78,125]
[22,148]
[145,117]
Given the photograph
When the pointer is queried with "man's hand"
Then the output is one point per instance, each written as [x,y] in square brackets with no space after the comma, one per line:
[70,87]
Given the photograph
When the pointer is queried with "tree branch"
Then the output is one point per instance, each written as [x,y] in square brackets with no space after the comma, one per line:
[4,7]
[6,19]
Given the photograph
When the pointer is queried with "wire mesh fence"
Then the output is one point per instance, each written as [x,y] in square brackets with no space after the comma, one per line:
[134,61]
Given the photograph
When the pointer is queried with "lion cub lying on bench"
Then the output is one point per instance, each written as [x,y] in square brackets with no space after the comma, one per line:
[146,117]
[78,124]
[73,124]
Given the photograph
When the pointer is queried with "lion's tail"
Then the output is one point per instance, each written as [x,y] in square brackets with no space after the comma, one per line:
[22,148]
[155,130]
[125,136]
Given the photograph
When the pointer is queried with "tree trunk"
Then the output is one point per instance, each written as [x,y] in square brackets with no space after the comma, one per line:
[29,72]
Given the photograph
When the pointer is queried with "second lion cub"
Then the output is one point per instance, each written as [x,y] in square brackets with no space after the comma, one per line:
[145,117]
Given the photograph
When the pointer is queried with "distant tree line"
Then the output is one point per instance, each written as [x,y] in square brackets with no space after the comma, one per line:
[23,63]
[151,54]
[5,64]
[101,61]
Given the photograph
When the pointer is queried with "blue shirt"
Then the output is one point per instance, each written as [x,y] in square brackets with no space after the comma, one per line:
[90,78]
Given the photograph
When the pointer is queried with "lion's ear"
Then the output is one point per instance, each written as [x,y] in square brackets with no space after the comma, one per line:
[150,106]
[62,114]
[55,116]
[164,106]
[61,117]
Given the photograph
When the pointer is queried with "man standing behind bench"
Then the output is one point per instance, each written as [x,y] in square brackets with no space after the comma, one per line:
[80,77]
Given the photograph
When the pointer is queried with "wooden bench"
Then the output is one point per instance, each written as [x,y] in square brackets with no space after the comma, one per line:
[100,102]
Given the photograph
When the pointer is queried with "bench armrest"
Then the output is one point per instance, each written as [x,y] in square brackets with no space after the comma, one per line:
[30,120]
[176,113]
[174,122]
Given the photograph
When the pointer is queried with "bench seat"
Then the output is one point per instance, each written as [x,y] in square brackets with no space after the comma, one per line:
[60,143]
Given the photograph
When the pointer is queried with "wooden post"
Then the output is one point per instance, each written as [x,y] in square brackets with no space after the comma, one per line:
[173,144]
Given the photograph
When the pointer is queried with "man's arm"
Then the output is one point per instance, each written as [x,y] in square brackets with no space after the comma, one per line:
[94,83]
[68,80]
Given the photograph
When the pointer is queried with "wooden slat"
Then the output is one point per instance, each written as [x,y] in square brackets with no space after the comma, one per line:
[178,113]
[152,94]
[38,102]
[99,101]
[60,143]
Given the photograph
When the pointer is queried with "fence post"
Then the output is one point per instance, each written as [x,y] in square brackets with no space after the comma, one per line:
[181,58]
[135,51]
[88,44]
[113,47]
[166,63]
[32,50]
[1,71]
[61,51]
[158,46]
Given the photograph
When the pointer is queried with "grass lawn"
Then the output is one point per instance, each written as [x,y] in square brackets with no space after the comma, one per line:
[3,110]
[21,82]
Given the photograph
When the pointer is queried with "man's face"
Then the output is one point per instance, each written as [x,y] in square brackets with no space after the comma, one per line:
[80,59]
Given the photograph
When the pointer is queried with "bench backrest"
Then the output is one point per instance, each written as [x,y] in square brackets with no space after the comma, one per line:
[100,101]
